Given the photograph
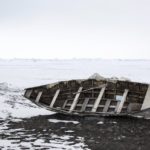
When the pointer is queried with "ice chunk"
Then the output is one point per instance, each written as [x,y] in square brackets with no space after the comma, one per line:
[97,77]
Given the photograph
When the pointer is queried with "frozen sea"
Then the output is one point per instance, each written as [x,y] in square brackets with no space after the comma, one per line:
[24,125]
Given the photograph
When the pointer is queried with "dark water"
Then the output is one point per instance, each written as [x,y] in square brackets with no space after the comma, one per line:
[108,134]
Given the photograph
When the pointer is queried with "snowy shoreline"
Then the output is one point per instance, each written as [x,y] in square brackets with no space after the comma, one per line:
[17,113]
[17,74]
[24,73]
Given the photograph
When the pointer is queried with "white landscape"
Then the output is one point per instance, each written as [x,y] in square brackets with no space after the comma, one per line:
[17,74]
[43,42]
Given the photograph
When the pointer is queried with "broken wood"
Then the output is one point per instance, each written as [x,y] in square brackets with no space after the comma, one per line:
[93,88]
[38,97]
[92,97]
[28,93]
[97,101]
[65,103]
[119,109]
[75,101]
[54,98]
[106,107]
[83,108]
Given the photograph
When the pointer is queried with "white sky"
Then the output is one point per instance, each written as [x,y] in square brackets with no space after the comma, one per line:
[75,29]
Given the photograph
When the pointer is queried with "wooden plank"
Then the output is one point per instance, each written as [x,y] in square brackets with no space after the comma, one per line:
[107,105]
[54,98]
[84,104]
[118,103]
[65,103]
[97,101]
[28,93]
[75,101]
[90,105]
[90,89]
[146,103]
[119,109]
[38,97]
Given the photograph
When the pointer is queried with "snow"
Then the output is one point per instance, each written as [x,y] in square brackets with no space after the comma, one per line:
[69,131]
[66,143]
[18,74]
[25,73]
[13,105]
[101,122]
[62,121]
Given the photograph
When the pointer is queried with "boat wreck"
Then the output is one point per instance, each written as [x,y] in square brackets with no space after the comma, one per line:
[93,97]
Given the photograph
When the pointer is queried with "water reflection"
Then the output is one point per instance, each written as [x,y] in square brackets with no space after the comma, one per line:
[63,132]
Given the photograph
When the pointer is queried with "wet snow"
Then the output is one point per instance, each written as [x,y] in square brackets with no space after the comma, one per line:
[63,121]
[15,109]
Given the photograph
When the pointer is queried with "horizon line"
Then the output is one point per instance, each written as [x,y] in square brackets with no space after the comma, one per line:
[121,59]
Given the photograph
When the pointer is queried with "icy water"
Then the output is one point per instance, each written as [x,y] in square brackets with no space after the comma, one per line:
[24,125]
[52,132]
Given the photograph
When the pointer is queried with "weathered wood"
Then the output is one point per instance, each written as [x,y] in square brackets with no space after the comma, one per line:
[54,98]
[64,105]
[119,109]
[117,106]
[28,93]
[38,97]
[75,101]
[134,107]
[84,104]
[97,101]
[146,103]
[92,99]
[107,105]
[93,88]
[90,105]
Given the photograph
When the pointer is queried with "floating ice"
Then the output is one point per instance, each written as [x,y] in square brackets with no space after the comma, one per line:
[62,121]
[101,122]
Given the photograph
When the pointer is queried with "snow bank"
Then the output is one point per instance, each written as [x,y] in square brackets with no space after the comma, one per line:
[19,74]
[13,105]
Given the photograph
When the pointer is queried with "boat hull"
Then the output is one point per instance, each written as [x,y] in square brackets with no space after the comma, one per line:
[93,97]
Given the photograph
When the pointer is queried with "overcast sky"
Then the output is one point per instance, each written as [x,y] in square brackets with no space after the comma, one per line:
[75,29]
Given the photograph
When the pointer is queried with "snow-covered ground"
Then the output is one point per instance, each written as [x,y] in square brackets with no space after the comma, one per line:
[24,73]
[17,74]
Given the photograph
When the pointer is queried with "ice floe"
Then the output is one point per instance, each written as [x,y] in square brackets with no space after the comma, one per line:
[62,121]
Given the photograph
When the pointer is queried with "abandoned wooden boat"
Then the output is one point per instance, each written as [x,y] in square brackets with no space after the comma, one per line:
[93,97]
